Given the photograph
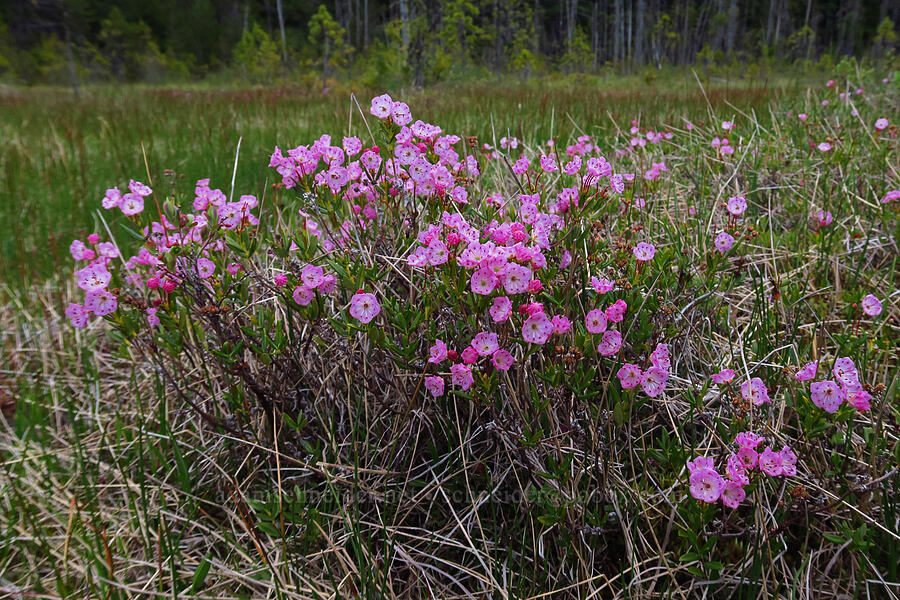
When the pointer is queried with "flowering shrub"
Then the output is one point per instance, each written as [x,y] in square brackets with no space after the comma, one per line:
[544,292]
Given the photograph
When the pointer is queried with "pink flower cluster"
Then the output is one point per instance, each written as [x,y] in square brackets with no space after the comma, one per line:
[94,279]
[708,486]
[483,347]
[130,203]
[831,393]
[653,380]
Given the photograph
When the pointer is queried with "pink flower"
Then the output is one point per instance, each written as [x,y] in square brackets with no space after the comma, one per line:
[733,494]
[644,251]
[755,391]
[880,124]
[860,400]
[724,241]
[500,309]
[312,276]
[136,187]
[112,198]
[233,268]
[724,376]
[516,278]
[770,462]
[280,280]
[205,268]
[352,145]
[93,277]
[616,312]
[469,355]
[748,458]
[485,343]
[537,329]
[502,360]
[484,281]
[438,352]
[736,470]
[152,318]
[610,343]
[706,485]
[461,375]
[700,462]
[602,286]
[100,302]
[788,462]
[824,147]
[400,113]
[548,163]
[802,116]
[561,325]
[131,204]
[630,376]
[748,439]
[736,205]
[654,381]
[535,286]
[827,395]
[824,217]
[77,249]
[844,370]
[595,321]
[660,357]
[303,295]
[77,315]
[726,125]
[435,385]
[381,106]
[364,307]
[808,371]
[871,305]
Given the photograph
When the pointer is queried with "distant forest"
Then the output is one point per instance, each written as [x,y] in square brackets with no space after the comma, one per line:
[422,41]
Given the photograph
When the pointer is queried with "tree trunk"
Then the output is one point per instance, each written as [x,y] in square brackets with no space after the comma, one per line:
[404,18]
[639,34]
[281,26]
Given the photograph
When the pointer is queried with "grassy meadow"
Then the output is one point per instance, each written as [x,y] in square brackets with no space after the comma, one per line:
[162,462]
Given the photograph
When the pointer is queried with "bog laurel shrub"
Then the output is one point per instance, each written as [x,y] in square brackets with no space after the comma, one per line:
[553,300]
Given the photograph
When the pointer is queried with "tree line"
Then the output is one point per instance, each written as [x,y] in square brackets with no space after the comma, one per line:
[421,41]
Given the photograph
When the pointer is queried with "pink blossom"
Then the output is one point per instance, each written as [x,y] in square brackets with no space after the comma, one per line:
[736,205]
[131,204]
[100,302]
[364,307]
[280,279]
[77,315]
[435,385]
[136,187]
[724,376]
[706,485]
[700,462]
[660,357]
[537,329]
[502,360]
[381,106]
[610,343]
[871,305]
[516,278]
[93,277]
[602,286]
[561,325]
[500,309]
[484,281]
[312,276]
[616,312]
[788,462]
[438,352]
[860,400]
[824,217]
[595,321]
[630,376]
[469,355]
[724,242]
[303,295]
[205,268]
[233,268]
[755,391]
[644,251]
[461,375]
[827,395]
[748,439]
[152,318]
[485,343]
[881,124]
[733,494]
[400,113]
[770,462]
[112,198]
[748,458]
[808,371]
[654,381]
[824,147]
